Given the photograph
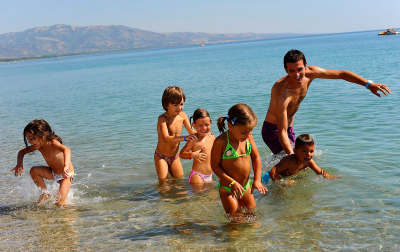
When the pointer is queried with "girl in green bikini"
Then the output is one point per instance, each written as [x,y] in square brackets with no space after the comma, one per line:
[231,155]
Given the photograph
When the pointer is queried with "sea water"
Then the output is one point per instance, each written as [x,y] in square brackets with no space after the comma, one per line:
[105,107]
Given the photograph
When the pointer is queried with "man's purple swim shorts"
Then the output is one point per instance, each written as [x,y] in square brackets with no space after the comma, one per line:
[270,136]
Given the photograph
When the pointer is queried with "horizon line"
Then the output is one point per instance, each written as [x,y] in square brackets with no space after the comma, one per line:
[329,33]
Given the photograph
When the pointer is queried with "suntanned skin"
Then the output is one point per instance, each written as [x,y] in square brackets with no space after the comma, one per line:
[237,169]
[292,164]
[289,91]
[58,159]
[169,129]
[201,150]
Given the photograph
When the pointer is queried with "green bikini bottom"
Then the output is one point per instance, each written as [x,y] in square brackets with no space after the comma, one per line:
[229,189]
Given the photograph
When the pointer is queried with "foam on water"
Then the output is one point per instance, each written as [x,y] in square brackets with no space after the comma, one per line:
[27,193]
[272,160]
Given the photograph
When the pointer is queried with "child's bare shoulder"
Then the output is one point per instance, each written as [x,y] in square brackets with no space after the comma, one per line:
[222,136]
[221,139]
[55,142]
[287,160]
[162,118]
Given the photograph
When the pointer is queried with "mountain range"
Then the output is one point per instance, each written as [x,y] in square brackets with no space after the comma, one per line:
[61,40]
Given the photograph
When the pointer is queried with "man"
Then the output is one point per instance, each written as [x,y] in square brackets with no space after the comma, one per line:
[288,92]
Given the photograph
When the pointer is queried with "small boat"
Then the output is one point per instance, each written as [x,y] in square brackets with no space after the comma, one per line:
[389,32]
[201,44]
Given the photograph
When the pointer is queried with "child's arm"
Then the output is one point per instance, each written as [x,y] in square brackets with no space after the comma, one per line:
[186,123]
[19,168]
[278,168]
[257,165]
[172,139]
[186,154]
[317,169]
[224,179]
[67,155]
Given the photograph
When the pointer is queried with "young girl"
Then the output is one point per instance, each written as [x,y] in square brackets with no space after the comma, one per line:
[169,129]
[58,158]
[231,155]
[201,148]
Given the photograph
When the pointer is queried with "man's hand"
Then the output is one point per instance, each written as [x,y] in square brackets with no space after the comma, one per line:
[375,87]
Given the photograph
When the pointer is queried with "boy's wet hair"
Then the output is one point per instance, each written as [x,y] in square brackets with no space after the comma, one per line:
[293,56]
[239,114]
[40,128]
[197,114]
[304,139]
[172,95]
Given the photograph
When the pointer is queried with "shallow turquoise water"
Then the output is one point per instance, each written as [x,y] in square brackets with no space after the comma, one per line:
[105,108]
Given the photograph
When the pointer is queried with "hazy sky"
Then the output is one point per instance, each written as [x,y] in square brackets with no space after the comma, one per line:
[212,16]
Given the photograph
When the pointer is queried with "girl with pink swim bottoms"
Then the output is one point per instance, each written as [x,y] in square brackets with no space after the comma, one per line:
[169,131]
[200,149]
[39,134]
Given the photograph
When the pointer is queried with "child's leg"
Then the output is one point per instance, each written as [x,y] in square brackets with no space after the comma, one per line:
[176,169]
[161,168]
[247,199]
[65,184]
[229,202]
[38,174]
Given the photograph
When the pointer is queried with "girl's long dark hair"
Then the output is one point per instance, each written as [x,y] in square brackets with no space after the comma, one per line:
[40,128]
[239,114]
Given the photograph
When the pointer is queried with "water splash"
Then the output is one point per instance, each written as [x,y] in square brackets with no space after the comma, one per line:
[271,161]
[28,192]
[244,215]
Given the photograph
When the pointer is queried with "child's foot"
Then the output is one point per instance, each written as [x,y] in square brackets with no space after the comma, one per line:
[62,204]
[42,199]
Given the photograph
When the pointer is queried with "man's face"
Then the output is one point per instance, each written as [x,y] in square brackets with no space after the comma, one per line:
[296,71]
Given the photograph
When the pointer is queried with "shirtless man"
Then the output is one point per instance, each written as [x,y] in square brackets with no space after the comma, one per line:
[288,92]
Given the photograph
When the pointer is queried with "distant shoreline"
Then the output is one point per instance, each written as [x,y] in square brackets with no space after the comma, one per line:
[69,55]
[10,60]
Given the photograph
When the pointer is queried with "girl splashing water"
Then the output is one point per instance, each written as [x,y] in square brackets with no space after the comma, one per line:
[201,148]
[39,134]
[231,155]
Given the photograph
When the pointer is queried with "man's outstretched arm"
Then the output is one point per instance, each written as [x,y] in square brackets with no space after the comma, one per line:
[317,72]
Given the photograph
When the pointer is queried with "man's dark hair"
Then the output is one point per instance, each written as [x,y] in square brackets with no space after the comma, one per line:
[293,56]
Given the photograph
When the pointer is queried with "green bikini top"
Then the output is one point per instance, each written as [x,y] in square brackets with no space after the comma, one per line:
[230,152]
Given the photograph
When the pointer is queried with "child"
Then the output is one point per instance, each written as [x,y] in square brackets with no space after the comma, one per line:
[169,128]
[58,158]
[201,148]
[301,159]
[231,155]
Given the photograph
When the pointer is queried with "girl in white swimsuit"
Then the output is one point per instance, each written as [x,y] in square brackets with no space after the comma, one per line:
[200,149]
[41,137]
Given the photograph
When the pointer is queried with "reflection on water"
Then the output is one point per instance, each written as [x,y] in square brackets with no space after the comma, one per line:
[302,216]
[39,228]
